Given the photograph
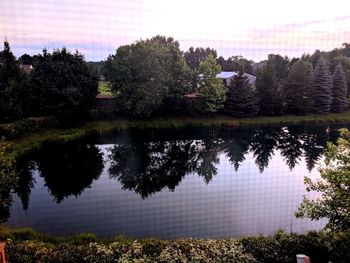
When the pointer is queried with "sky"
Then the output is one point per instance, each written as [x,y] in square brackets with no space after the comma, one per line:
[252,28]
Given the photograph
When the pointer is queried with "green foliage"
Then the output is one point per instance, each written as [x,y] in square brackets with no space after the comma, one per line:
[236,63]
[298,88]
[339,102]
[26,126]
[333,186]
[322,88]
[8,179]
[281,65]
[194,57]
[269,91]
[11,83]
[26,245]
[284,247]
[211,90]
[242,98]
[147,74]
[104,88]
[61,84]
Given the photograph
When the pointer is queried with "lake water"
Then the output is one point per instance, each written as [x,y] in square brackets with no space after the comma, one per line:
[209,182]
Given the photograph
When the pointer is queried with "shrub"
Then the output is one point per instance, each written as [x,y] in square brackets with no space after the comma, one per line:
[27,125]
[282,247]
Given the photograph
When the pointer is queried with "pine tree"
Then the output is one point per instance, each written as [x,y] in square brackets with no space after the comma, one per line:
[298,88]
[242,100]
[11,82]
[339,102]
[322,88]
[268,89]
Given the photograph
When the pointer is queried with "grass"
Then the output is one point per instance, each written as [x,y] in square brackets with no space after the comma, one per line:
[104,88]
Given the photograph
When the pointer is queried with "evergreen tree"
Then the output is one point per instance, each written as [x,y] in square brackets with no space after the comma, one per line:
[298,88]
[11,83]
[269,93]
[339,102]
[322,88]
[242,100]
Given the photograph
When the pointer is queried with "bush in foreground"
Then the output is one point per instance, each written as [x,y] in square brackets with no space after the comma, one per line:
[26,245]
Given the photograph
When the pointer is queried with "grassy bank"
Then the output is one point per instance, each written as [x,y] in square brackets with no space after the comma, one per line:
[35,140]
[26,245]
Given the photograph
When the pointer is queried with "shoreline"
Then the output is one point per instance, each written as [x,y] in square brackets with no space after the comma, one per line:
[34,140]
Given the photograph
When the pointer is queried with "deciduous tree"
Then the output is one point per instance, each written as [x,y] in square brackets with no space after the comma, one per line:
[61,84]
[147,74]
[211,90]
[334,203]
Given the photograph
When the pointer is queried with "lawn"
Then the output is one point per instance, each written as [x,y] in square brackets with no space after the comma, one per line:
[104,88]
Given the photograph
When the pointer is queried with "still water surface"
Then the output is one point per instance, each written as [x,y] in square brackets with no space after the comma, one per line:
[172,183]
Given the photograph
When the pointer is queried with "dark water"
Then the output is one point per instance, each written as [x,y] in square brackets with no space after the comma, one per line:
[172,183]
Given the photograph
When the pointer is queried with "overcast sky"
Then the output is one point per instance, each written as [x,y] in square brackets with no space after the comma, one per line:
[253,28]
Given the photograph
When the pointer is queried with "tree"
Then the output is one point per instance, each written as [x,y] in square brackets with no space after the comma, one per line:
[281,65]
[147,74]
[322,88]
[236,63]
[25,59]
[61,84]
[211,90]
[241,99]
[194,57]
[11,84]
[334,203]
[298,88]
[269,91]
[339,102]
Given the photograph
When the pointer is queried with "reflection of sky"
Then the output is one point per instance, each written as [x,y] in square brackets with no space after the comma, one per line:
[253,30]
[232,204]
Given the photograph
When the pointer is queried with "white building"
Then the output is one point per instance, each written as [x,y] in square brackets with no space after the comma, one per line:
[227,77]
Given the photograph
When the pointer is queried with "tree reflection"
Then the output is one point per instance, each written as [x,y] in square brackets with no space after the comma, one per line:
[263,145]
[238,145]
[69,168]
[147,166]
[25,180]
[290,146]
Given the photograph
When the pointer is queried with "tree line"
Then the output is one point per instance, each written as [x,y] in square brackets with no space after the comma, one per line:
[61,84]
[154,77]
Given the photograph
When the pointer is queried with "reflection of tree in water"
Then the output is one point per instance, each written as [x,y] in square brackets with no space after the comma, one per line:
[263,145]
[314,142]
[69,168]
[290,145]
[148,167]
[25,181]
[238,145]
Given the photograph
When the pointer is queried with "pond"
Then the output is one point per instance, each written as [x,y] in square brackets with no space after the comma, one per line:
[200,183]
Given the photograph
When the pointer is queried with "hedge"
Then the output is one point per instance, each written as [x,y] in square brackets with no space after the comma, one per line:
[26,245]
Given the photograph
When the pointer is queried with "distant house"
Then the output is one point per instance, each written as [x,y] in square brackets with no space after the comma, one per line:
[227,76]
[26,68]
